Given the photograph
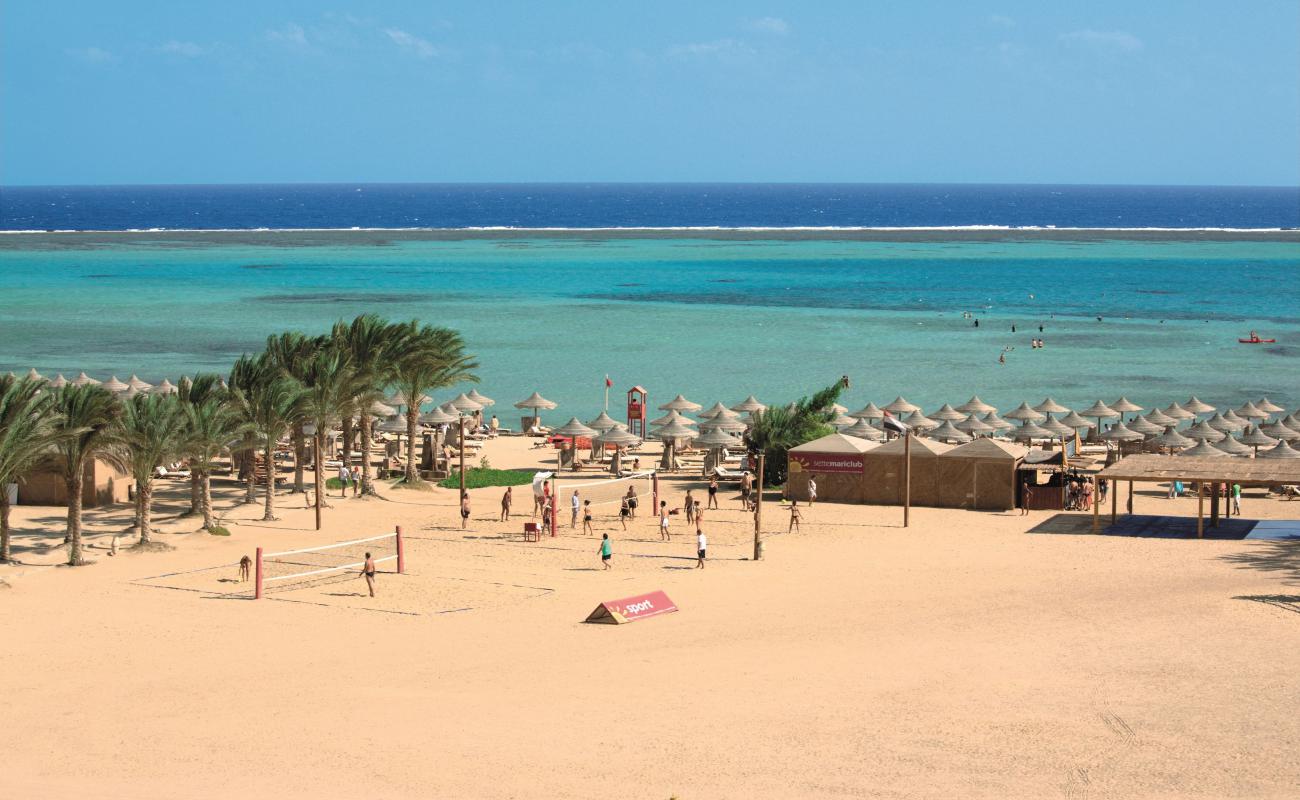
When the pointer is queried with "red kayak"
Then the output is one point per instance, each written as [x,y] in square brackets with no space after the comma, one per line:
[1256,340]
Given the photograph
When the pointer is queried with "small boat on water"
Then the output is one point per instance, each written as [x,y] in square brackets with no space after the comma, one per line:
[1254,339]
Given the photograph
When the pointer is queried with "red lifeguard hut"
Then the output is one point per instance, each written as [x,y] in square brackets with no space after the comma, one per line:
[636,406]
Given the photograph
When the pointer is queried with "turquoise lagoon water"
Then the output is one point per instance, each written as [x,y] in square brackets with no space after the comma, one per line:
[714,318]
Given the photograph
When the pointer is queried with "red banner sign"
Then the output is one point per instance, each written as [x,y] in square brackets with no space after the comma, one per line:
[630,609]
[829,462]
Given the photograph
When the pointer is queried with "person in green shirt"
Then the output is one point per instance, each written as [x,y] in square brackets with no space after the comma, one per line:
[1236,499]
[605,551]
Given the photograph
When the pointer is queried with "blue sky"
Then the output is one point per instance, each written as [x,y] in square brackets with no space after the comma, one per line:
[1177,92]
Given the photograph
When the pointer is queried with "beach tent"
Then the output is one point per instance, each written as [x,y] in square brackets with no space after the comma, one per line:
[837,460]
[980,475]
[883,472]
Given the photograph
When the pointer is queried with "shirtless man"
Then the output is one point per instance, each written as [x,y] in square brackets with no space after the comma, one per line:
[746,481]
[464,509]
[368,572]
[505,504]
[244,564]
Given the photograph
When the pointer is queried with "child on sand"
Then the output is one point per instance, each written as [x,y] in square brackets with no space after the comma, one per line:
[464,509]
[701,545]
[605,552]
[795,516]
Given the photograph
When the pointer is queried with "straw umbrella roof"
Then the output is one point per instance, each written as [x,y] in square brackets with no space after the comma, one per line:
[1031,430]
[1172,439]
[535,401]
[1195,406]
[439,417]
[1203,449]
[399,398]
[379,409]
[1223,424]
[33,375]
[481,399]
[1178,412]
[602,422]
[1232,447]
[947,412]
[842,420]
[919,421]
[462,402]
[674,430]
[1290,420]
[450,410]
[838,409]
[1264,404]
[901,406]
[863,430]
[1279,431]
[713,410]
[1146,427]
[1282,450]
[869,411]
[1050,406]
[83,379]
[575,428]
[1250,411]
[618,435]
[1125,406]
[716,437]
[166,387]
[672,417]
[1235,418]
[114,385]
[994,421]
[750,404]
[1257,438]
[1204,432]
[947,432]
[680,403]
[135,383]
[59,382]
[976,406]
[972,424]
[728,425]
[722,414]
[1025,413]
[392,426]
[1075,421]
[1158,417]
[1119,433]
[1055,426]
[1099,410]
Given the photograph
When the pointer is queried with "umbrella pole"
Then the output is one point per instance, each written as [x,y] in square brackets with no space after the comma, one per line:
[907,478]
[758,512]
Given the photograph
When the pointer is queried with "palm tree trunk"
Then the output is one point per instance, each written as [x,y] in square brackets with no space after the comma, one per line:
[364,424]
[144,497]
[135,526]
[299,453]
[74,519]
[205,500]
[4,526]
[347,442]
[194,493]
[412,417]
[269,514]
[319,440]
[250,488]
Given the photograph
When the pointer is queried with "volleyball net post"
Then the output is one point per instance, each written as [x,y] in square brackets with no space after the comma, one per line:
[654,481]
[257,590]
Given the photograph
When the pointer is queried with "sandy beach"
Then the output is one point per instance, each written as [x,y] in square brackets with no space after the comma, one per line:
[971,655]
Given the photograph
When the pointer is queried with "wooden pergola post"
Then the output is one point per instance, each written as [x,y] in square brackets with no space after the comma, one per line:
[1114,502]
[1200,510]
[1096,505]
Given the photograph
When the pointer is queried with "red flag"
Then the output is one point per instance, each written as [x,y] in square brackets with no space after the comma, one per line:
[608,382]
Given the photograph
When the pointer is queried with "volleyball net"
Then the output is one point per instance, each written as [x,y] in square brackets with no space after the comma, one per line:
[606,496]
[308,566]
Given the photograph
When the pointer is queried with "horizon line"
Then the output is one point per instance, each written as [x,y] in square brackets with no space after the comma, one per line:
[645,183]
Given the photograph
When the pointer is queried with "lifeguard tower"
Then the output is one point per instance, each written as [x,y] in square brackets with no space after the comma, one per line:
[636,405]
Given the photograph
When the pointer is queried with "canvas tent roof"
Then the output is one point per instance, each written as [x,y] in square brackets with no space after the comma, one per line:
[835,443]
[987,448]
[919,447]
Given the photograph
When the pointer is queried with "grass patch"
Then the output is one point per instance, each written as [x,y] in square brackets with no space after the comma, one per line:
[218,530]
[480,477]
[417,485]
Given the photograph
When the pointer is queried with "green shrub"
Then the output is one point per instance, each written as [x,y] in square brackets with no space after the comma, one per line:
[219,531]
[478,478]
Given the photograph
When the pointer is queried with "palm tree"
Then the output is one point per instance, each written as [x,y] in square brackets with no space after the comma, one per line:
[210,426]
[271,402]
[195,392]
[27,434]
[290,351]
[154,428]
[778,429]
[434,358]
[330,384]
[90,425]
[376,346]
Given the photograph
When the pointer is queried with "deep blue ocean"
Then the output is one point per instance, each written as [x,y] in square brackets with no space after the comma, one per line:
[643,206]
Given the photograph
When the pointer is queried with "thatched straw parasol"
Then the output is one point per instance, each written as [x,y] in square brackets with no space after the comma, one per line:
[749,404]
[1279,431]
[602,422]
[59,382]
[1222,424]
[1157,417]
[439,417]
[919,422]
[1025,414]
[842,420]
[901,406]
[1174,440]
[377,409]
[1268,406]
[713,410]
[1145,426]
[1233,447]
[114,385]
[33,375]
[1099,411]
[84,380]
[391,426]
[618,435]
[715,438]
[680,403]
[976,406]
[864,430]
[482,399]
[1195,406]
[1176,411]
[135,383]
[1205,432]
[869,411]
[1119,432]
[1236,419]
[166,387]
[535,402]
[1250,411]
[947,432]
[995,422]
[1076,421]
[1055,426]
[1257,439]
[718,423]
[1203,449]
[947,413]
[398,398]
[1050,406]
[1126,406]
[465,405]
[973,425]
[1290,420]
[1030,431]
[672,417]
[1281,450]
